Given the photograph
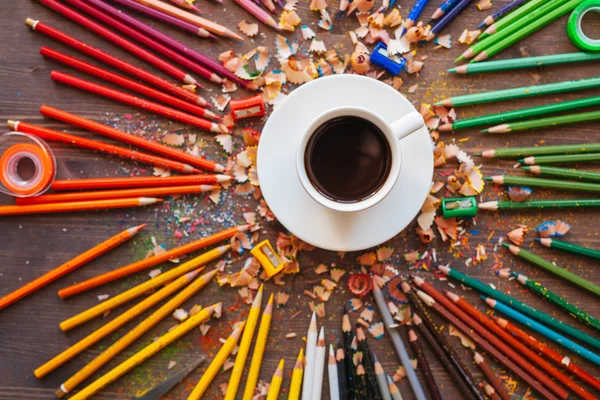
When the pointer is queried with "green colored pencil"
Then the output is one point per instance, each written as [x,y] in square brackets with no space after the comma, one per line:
[544,183]
[521,114]
[524,62]
[519,93]
[510,18]
[518,305]
[549,267]
[515,152]
[563,172]
[559,159]
[530,23]
[537,204]
[544,122]
[552,297]
[570,247]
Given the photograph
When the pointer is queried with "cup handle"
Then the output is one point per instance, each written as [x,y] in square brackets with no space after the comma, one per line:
[408,124]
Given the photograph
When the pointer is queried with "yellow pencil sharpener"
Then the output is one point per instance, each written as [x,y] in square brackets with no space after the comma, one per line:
[268,258]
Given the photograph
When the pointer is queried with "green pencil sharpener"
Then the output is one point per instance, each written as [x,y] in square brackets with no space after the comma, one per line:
[464,207]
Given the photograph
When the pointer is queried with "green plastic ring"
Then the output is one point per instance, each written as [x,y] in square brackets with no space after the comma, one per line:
[574,30]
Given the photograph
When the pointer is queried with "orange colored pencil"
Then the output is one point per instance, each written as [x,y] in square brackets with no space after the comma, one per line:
[150,261]
[137,182]
[52,135]
[116,134]
[69,266]
[115,194]
[76,206]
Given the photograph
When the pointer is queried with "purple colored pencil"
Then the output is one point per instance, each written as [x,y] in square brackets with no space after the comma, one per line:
[490,19]
[449,16]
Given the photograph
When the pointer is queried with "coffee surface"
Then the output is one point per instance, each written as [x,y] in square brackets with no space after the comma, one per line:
[348,159]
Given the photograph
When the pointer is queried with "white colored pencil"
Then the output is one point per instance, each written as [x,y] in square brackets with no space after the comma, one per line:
[309,367]
[332,372]
[317,385]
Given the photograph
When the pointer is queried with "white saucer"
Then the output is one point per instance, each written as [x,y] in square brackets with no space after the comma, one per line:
[301,214]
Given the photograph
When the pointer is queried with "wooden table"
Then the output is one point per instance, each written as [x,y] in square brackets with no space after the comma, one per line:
[32,245]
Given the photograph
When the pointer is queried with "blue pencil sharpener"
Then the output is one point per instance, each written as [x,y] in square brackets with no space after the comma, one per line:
[380,57]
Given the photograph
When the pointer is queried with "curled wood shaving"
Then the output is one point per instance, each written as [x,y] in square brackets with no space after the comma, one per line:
[336,274]
[248,29]
[464,340]
[355,304]
[321,269]
[281,299]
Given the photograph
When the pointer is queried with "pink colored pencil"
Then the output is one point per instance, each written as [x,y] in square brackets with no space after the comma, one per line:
[258,13]
[186,5]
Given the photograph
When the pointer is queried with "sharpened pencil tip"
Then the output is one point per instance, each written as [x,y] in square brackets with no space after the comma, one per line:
[451,70]
[487,178]
[477,154]
[486,130]
[438,103]
[459,59]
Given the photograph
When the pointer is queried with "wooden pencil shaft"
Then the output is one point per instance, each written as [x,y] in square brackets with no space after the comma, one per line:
[565,173]
[347,337]
[515,152]
[504,10]
[530,62]
[552,121]
[517,14]
[259,350]
[369,365]
[547,183]
[76,206]
[423,365]
[537,204]
[342,377]
[569,158]
[133,182]
[492,379]
[258,13]
[449,17]
[576,249]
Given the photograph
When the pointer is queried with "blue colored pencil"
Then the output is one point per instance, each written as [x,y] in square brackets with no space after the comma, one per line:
[448,17]
[414,15]
[443,9]
[490,19]
[540,328]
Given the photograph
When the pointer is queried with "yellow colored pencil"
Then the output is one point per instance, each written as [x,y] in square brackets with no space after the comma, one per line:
[134,334]
[276,382]
[142,288]
[140,356]
[259,350]
[296,384]
[217,363]
[242,354]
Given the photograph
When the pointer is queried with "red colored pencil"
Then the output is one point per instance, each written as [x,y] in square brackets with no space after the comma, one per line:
[491,377]
[137,182]
[147,105]
[119,41]
[104,57]
[127,83]
[52,135]
[145,40]
[125,137]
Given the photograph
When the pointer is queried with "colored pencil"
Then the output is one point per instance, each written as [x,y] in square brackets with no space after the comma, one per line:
[491,392]
[269,5]
[310,358]
[542,329]
[69,266]
[191,18]
[347,336]
[159,391]
[423,365]
[394,392]
[524,62]
[563,172]
[538,204]
[524,308]
[142,288]
[442,9]
[129,138]
[127,83]
[485,345]
[507,8]
[130,337]
[258,13]
[77,206]
[361,382]
[185,4]
[491,377]
[276,380]
[544,122]
[441,23]
[259,350]
[413,16]
[544,183]
[519,93]
[559,159]
[381,380]
[296,383]
[332,374]
[397,341]
[541,150]
[147,352]
[125,98]
[152,261]
[368,363]
[494,341]
[216,363]
[115,62]
[560,360]
[570,247]
[516,15]
[137,182]
[117,40]
[84,143]
[541,290]
[519,347]
[245,343]
[340,358]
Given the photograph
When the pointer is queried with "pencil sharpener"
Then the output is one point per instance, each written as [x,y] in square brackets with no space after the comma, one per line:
[245,108]
[268,258]
[465,207]
[381,58]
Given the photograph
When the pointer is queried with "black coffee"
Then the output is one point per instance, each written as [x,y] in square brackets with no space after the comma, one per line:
[348,159]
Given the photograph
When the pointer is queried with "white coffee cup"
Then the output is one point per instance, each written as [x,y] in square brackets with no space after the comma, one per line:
[393,132]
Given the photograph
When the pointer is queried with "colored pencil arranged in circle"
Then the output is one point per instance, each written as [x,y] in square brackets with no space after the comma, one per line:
[537,204]
[524,62]
[77,206]
[381,380]
[442,9]
[113,61]
[561,159]
[520,92]
[332,374]
[276,380]
[129,138]
[413,17]
[507,20]
[296,382]
[84,143]
[340,358]
[570,247]
[560,360]
[522,307]
[441,23]
[119,41]
[491,376]
[543,330]
[563,172]
[139,357]
[185,4]
[137,182]
[552,297]
[368,363]
[544,183]
[347,340]
[130,337]
[507,8]
[544,122]
[258,13]
[515,152]
[125,98]
[423,365]
[69,266]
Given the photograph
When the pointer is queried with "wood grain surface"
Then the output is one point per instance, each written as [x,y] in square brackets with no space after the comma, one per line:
[32,245]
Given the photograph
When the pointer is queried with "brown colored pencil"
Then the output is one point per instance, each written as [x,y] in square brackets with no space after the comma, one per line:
[424,365]
[491,376]
[137,182]
[76,206]
[489,390]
